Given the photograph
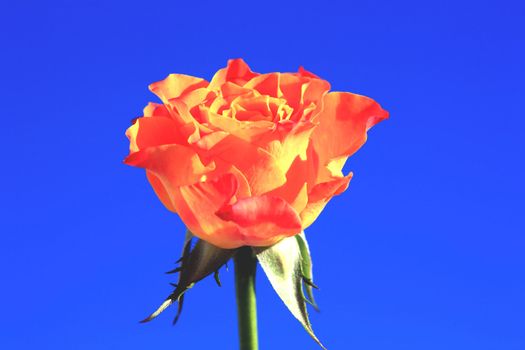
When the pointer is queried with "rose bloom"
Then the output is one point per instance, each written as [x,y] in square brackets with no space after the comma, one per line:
[249,158]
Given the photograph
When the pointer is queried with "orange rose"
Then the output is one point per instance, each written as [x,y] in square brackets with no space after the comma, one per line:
[248,158]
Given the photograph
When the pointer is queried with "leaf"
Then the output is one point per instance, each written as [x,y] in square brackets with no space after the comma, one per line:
[197,263]
[306,268]
[282,264]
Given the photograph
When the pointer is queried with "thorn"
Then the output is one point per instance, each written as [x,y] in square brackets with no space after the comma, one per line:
[174,285]
[178,269]
[217,279]
[179,309]
[314,305]
[310,282]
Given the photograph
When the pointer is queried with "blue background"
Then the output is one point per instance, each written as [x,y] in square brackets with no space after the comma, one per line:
[424,251]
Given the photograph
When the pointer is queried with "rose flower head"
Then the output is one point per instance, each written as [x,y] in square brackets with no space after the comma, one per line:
[248,159]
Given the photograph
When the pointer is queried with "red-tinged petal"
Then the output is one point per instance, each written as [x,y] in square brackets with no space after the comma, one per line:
[150,132]
[319,197]
[160,191]
[197,204]
[290,86]
[304,73]
[237,72]
[174,165]
[314,91]
[326,190]
[295,189]
[175,85]
[262,219]
[266,84]
[186,125]
[156,110]
[343,124]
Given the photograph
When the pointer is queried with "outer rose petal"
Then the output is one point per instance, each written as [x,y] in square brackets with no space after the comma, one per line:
[319,197]
[180,93]
[174,165]
[156,110]
[313,93]
[304,73]
[237,72]
[343,124]
[160,191]
[150,132]
[176,85]
[197,204]
[262,220]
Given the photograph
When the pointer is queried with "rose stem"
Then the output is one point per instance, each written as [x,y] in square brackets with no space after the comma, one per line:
[245,266]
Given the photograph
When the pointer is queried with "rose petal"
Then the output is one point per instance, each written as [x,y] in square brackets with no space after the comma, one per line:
[295,189]
[246,130]
[301,93]
[237,72]
[174,165]
[343,124]
[160,191]
[313,93]
[319,197]
[156,110]
[304,73]
[291,87]
[262,170]
[287,142]
[243,189]
[180,93]
[266,84]
[253,108]
[197,204]
[326,190]
[175,85]
[262,219]
[231,90]
[150,132]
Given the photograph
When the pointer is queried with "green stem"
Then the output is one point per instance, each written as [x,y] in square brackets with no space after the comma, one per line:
[245,266]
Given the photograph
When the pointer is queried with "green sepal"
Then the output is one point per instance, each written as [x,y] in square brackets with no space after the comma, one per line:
[282,264]
[197,263]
